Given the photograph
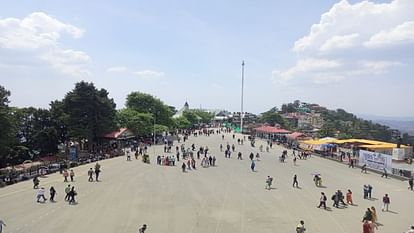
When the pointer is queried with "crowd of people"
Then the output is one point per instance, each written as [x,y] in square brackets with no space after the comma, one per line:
[192,154]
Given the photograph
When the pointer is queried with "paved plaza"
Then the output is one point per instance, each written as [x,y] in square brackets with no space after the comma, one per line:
[227,198]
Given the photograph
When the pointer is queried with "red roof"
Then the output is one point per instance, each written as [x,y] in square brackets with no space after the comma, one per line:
[270,129]
[295,135]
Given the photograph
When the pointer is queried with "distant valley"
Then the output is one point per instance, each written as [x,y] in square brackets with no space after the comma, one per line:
[404,124]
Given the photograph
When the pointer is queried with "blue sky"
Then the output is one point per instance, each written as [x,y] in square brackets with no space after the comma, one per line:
[358,55]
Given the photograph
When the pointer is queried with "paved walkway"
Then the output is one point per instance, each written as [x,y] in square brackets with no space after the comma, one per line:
[228,198]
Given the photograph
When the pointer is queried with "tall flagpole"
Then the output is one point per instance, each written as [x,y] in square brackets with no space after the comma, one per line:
[242,87]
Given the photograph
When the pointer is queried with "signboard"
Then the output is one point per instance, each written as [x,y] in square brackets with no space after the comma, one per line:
[376,161]
[398,153]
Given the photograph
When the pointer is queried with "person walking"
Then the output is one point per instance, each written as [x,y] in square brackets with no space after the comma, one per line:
[365,191]
[410,183]
[72,195]
[144,227]
[369,191]
[36,182]
[252,165]
[294,161]
[257,156]
[97,171]
[364,168]
[349,197]
[367,216]
[300,228]
[341,197]
[269,181]
[52,192]
[385,202]
[335,198]
[322,201]
[251,156]
[384,173]
[71,174]
[183,167]
[374,214]
[90,174]
[41,194]
[67,190]
[65,175]
[2,223]
[366,227]
[295,181]
[239,155]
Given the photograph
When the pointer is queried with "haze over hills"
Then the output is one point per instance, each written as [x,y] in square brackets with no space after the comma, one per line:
[404,124]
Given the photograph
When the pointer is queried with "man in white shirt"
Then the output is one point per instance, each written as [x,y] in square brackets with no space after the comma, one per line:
[300,228]
[41,194]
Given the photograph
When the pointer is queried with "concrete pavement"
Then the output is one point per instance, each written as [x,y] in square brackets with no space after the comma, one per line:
[226,198]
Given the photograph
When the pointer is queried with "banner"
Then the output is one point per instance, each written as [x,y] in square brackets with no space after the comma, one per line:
[376,161]
[73,153]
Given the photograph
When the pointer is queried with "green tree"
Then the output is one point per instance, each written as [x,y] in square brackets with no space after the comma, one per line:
[7,128]
[327,130]
[35,131]
[160,128]
[146,103]
[140,123]
[88,112]
[182,123]
[205,117]
[274,118]
[192,117]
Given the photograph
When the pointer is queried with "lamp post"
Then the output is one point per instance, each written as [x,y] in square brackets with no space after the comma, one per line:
[154,136]
[242,87]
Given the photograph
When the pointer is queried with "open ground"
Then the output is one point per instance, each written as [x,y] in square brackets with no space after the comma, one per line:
[227,198]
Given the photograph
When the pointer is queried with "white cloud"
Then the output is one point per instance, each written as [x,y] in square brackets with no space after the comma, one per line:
[353,40]
[340,42]
[148,74]
[304,66]
[403,33]
[117,69]
[35,40]
[144,74]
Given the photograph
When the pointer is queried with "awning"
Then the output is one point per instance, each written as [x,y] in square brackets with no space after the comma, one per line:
[270,129]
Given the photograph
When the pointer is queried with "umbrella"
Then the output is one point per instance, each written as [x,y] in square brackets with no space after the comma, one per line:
[316,173]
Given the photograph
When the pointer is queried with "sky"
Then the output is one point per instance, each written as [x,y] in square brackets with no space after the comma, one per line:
[354,55]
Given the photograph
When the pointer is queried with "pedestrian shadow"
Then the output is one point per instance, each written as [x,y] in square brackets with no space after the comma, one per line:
[321,186]
[379,224]
[392,212]
[328,209]
[373,199]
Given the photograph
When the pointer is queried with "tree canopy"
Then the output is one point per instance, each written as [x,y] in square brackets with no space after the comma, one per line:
[88,113]
[274,118]
[145,103]
[140,123]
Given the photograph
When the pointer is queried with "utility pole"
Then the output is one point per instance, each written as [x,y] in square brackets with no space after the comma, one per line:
[242,87]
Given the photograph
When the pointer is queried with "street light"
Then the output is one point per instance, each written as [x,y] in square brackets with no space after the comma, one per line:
[154,136]
[242,87]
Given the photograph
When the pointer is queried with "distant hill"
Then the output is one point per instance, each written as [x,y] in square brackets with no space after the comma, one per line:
[403,124]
